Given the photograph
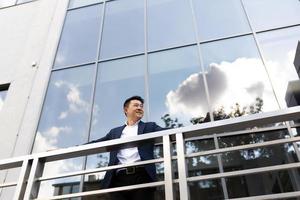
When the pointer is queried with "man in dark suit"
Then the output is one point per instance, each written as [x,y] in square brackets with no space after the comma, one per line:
[134,111]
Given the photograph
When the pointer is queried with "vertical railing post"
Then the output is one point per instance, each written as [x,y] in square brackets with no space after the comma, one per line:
[168,171]
[21,185]
[33,186]
[182,169]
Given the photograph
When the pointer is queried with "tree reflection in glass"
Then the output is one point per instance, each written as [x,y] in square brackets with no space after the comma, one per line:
[237,80]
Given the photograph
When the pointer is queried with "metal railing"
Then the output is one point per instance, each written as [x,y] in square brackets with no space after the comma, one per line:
[31,173]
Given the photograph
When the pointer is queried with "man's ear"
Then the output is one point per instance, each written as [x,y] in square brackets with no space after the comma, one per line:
[125,110]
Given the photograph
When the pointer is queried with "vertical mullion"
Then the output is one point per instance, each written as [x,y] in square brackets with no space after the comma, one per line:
[21,185]
[201,61]
[147,95]
[168,172]
[93,92]
[223,182]
[297,151]
[32,186]
[182,169]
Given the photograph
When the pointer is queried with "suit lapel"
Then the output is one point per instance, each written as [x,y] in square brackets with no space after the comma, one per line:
[119,132]
[141,127]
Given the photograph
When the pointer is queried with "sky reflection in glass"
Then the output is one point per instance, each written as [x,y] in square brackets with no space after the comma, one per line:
[114,85]
[64,120]
[176,85]
[117,80]
[170,23]
[123,31]
[79,39]
[2,98]
[236,75]
[220,18]
[78,3]
[266,14]
[4,3]
[279,49]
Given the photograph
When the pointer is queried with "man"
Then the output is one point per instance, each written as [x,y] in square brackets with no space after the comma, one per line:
[134,111]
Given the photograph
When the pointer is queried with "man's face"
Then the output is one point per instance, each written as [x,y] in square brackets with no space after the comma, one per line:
[134,110]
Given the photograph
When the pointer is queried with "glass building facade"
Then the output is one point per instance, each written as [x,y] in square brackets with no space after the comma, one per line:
[194,61]
[7,3]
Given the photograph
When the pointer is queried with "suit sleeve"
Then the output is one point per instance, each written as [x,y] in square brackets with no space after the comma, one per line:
[105,138]
[158,128]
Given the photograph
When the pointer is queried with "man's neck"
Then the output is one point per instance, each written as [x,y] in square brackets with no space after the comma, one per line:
[131,122]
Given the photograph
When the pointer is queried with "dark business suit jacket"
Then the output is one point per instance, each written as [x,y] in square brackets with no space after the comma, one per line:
[145,150]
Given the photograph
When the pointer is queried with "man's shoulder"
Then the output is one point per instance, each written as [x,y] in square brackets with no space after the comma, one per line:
[116,129]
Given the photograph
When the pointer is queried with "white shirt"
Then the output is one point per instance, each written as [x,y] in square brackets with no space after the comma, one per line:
[129,155]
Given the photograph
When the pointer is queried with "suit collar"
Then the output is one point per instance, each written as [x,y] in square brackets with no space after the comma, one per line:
[119,132]
[141,127]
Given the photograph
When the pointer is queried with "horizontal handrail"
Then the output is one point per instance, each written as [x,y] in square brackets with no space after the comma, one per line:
[188,132]
[244,172]
[271,196]
[97,170]
[104,191]
[10,184]
[243,147]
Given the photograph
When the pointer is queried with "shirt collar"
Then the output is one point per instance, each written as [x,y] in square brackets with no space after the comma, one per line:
[136,123]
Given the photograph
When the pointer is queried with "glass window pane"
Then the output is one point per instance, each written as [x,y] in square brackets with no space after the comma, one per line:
[79,39]
[273,182]
[206,189]
[5,3]
[237,80]
[123,31]
[268,14]
[64,120]
[220,18]
[2,98]
[279,49]
[78,3]
[56,187]
[117,80]
[114,85]
[23,1]
[169,24]
[176,87]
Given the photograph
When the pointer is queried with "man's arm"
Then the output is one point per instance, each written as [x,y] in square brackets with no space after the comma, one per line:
[158,128]
[105,138]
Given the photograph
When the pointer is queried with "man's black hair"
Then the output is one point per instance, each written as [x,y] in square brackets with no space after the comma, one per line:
[127,101]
